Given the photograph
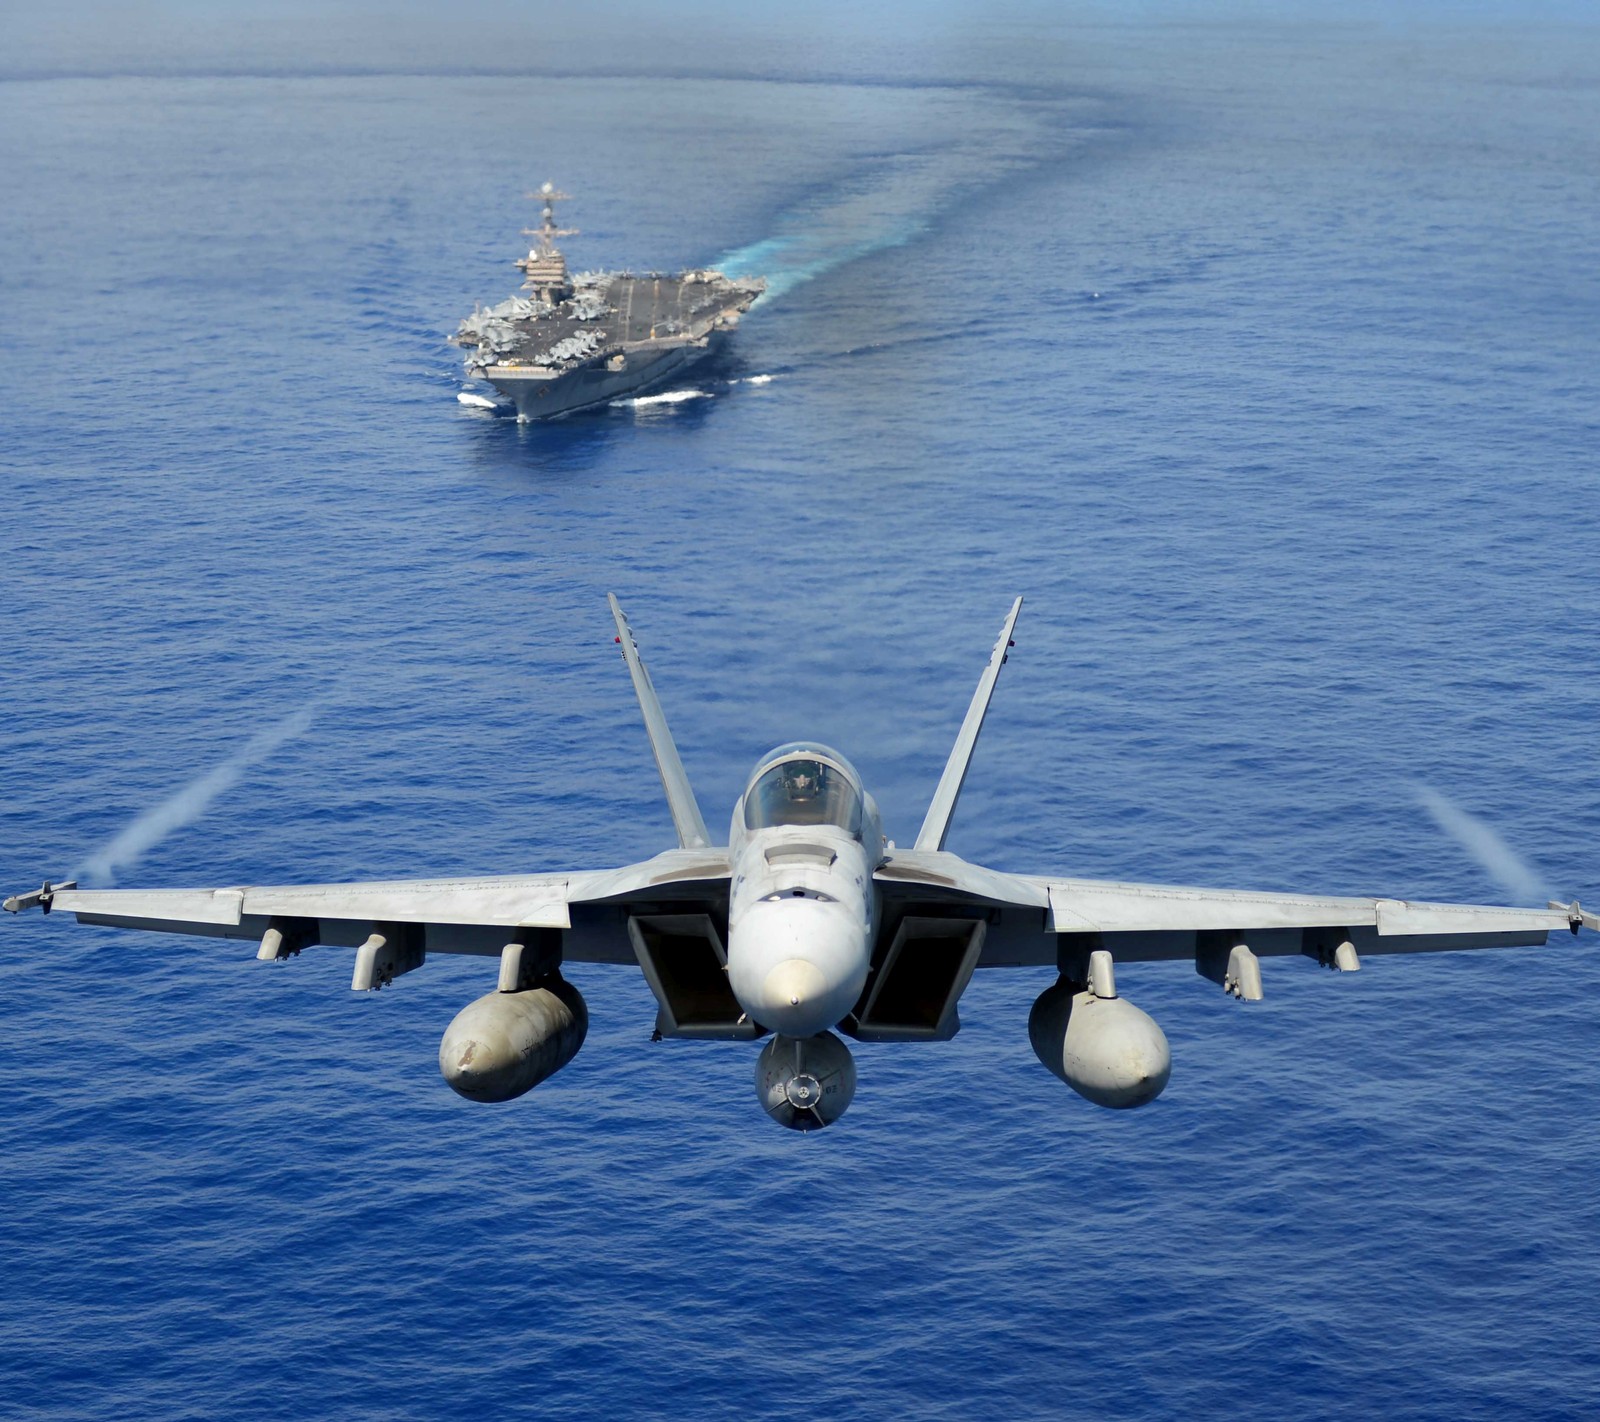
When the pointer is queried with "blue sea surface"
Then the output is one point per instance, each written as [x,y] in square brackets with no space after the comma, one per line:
[1261,355]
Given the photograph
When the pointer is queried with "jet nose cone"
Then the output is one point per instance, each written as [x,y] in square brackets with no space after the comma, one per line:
[797,964]
[791,992]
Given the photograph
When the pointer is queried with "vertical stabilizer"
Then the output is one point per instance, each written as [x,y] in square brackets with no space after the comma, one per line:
[937,825]
[685,809]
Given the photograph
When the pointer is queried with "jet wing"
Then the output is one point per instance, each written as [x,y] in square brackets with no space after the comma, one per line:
[1147,922]
[476,916]
[1376,925]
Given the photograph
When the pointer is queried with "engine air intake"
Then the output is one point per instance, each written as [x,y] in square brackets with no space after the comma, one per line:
[686,965]
[912,995]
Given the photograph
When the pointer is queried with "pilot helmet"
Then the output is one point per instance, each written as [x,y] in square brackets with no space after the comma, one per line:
[802,779]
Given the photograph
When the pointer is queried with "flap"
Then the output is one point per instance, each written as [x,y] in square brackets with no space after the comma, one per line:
[1091,906]
[511,903]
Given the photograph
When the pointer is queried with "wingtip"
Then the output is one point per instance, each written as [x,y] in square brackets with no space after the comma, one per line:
[39,898]
[1577,916]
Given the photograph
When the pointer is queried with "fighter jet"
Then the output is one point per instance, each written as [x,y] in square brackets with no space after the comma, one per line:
[805,923]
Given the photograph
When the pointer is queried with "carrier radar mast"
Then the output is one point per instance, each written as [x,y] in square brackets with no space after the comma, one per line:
[544,266]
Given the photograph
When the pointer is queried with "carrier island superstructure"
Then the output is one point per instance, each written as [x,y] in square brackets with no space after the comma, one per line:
[571,343]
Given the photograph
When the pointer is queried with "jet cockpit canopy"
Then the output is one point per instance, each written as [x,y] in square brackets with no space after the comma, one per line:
[804,784]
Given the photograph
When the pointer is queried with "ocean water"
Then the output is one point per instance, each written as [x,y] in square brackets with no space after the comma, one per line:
[1261,357]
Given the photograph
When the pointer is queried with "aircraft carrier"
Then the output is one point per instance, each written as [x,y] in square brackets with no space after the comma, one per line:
[574,343]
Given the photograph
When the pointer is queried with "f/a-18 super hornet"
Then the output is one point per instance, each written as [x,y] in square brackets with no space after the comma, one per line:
[807,922]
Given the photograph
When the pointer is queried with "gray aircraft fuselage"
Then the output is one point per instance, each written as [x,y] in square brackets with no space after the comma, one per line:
[803,910]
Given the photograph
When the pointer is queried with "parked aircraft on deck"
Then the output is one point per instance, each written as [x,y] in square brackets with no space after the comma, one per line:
[804,924]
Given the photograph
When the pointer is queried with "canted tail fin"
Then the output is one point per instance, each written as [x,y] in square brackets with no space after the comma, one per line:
[937,825]
[685,808]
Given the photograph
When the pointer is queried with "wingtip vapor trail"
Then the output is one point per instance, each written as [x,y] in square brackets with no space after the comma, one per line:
[1521,881]
[183,807]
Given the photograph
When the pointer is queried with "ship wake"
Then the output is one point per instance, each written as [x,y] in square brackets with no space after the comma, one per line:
[897,198]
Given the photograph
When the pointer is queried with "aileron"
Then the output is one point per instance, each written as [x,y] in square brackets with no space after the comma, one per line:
[222,907]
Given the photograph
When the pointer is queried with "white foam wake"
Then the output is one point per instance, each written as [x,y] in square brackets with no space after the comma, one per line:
[1520,880]
[185,806]
[670,397]
[960,149]
[477,402]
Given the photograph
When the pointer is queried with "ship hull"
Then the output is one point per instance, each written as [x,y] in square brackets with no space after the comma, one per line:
[548,396]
